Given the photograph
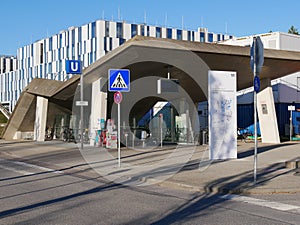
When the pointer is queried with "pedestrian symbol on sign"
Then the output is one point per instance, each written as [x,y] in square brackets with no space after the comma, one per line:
[119,82]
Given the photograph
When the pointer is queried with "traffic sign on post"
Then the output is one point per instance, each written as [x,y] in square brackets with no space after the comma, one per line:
[256,63]
[257,55]
[118,97]
[256,84]
[119,80]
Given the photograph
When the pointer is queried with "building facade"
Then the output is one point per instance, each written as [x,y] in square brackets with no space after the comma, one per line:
[46,58]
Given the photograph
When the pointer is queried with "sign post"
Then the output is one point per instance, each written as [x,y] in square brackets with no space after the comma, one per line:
[74,67]
[291,108]
[118,99]
[256,62]
[119,81]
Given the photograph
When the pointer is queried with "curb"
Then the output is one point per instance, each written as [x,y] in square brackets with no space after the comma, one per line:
[222,189]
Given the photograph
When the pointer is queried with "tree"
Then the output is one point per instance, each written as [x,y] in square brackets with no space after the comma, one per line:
[293,30]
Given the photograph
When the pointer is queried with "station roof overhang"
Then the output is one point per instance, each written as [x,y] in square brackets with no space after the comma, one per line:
[144,56]
[147,55]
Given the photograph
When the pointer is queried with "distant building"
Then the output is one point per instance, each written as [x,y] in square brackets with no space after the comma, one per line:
[46,58]
[8,64]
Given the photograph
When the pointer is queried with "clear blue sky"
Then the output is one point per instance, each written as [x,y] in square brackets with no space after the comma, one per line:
[23,22]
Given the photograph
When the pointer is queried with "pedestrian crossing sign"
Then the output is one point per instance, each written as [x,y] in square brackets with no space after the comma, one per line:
[119,80]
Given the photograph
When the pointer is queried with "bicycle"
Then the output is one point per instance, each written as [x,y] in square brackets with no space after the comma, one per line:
[245,135]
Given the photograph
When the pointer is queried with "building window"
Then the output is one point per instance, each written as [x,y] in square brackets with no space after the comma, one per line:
[189,34]
[179,34]
[219,37]
[158,32]
[192,36]
[41,53]
[142,30]
[31,46]
[119,30]
[148,31]
[50,44]
[133,30]
[50,68]
[93,29]
[11,65]
[73,36]
[105,45]
[210,37]
[79,34]
[202,37]
[106,29]
[121,41]
[169,33]
[78,48]
[73,51]
[60,40]
[110,44]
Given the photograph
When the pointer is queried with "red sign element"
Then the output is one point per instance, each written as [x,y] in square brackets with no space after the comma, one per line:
[118,97]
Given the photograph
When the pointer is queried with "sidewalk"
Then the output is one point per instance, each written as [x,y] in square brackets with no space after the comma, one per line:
[236,176]
[163,166]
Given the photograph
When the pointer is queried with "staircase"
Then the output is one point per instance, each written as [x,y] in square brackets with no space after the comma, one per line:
[4,111]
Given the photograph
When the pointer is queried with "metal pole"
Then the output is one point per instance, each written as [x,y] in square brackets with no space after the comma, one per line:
[255,116]
[161,131]
[119,136]
[134,132]
[291,125]
[81,112]
[172,124]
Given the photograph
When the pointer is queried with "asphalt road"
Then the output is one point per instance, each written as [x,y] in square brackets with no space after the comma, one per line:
[57,188]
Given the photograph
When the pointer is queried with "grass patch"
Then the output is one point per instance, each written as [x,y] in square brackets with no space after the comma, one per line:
[3,119]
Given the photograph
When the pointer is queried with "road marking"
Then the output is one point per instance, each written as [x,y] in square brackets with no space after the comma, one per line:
[28,165]
[23,172]
[261,202]
[36,167]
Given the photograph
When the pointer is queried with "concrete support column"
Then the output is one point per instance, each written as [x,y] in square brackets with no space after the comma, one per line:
[98,107]
[40,118]
[267,114]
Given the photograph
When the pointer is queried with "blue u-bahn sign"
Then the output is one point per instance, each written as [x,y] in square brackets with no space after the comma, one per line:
[73,66]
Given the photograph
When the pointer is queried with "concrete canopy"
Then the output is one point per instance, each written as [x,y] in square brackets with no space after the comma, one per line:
[188,62]
[60,95]
[146,55]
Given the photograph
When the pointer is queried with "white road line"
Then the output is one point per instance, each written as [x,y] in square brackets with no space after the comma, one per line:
[36,167]
[261,202]
[23,172]
[28,165]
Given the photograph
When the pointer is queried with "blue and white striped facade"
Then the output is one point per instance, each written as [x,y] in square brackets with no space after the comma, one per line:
[46,58]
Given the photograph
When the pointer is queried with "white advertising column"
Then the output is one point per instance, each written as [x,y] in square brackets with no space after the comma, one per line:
[222,115]
[40,118]
[98,107]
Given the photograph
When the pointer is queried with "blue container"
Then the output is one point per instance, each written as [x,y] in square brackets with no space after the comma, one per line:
[245,115]
[296,122]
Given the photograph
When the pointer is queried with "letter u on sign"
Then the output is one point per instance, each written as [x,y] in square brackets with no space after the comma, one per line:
[73,66]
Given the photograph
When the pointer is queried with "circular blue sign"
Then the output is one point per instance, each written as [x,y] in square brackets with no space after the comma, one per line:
[256,84]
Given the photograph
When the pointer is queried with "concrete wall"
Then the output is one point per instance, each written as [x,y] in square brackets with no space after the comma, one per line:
[267,116]
[40,118]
